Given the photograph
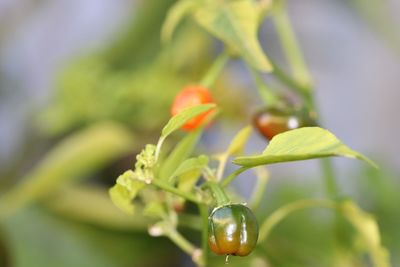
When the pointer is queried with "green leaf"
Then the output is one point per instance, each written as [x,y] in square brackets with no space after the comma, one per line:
[368,230]
[190,165]
[155,210]
[236,24]
[301,144]
[181,152]
[75,157]
[81,203]
[239,141]
[174,16]
[125,190]
[181,118]
[187,181]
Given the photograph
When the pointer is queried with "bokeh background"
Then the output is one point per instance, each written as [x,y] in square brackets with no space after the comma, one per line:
[66,65]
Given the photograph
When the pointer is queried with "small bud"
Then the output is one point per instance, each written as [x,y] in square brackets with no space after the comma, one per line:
[156,230]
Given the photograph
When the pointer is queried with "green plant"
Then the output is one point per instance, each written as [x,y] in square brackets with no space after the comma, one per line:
[161,178]
[176,187]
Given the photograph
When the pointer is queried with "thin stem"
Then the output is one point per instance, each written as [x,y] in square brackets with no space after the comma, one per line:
[181,242]
[165,186]
[204,234]
[280,74]
[329,175]
[221,167]
[291,45]
[158,147]
[281,213]
[218,193]
[259,188]
[233,175]
[302,82]
[215,69]
[268,97]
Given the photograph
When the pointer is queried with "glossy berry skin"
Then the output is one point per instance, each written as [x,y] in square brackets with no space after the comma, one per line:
[270,122]
[188,97]
[232,230]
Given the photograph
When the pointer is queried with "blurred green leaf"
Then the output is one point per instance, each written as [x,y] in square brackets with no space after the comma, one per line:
[190,165]
[75,157]
[188,180]
[175,15]
[282,212]
[239,141]
[181,118]
[301,144]
[125,190]
[155,209]
[181,152]
[36,238]
[235,23]
[368,230]
[81,203]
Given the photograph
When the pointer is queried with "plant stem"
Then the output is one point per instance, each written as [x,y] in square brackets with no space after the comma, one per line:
[233,175]
[302,82]
[330,183]
[286,210]
[259,188]
[181,242]
[215,69]
[204,234]
[158,147]
[268,97]
[165,186]
[218,193]
[291,46]
[221,167]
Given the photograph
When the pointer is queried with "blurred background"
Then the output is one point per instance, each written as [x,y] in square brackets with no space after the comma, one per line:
[84,85]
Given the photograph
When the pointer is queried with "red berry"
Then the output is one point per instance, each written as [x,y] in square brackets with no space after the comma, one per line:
[188,97]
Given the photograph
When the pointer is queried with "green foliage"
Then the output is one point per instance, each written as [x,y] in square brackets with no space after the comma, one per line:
[368,231]
[181,152]
[38,238]
[301,144]
[75,157]
[191,165]
[175,15]
[125,190]
[180,119]
[233,22]
[239,141]
[236,24]
[101,98]
[81,203]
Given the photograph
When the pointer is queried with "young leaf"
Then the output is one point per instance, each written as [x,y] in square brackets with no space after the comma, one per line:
[125,190]
[368,230]
[181,152]
[190,165]
[235,23]
[174,17]
[181,118]
[301,144]
[239,141]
